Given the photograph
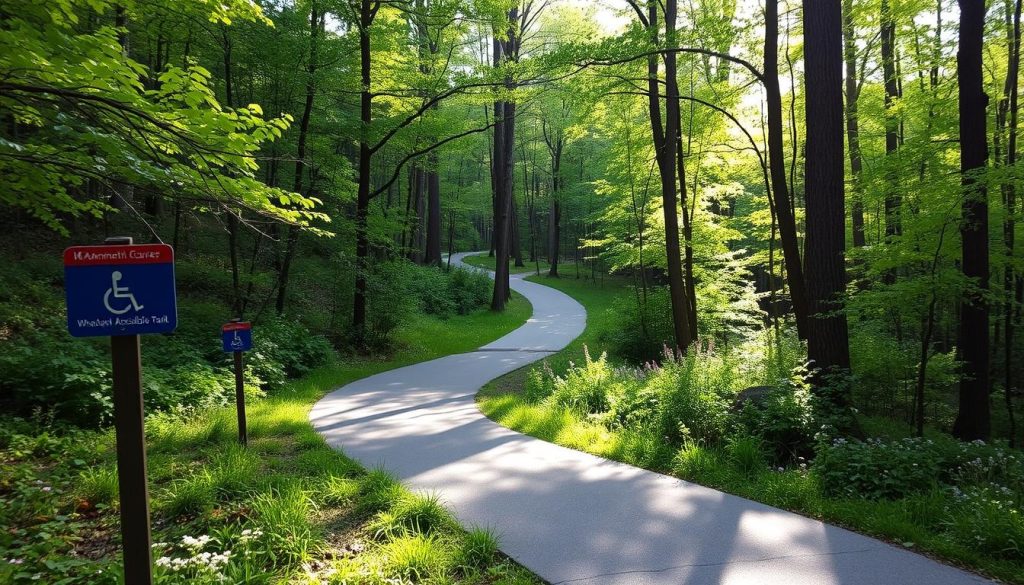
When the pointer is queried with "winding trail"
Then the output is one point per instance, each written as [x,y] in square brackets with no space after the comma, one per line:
[575,518]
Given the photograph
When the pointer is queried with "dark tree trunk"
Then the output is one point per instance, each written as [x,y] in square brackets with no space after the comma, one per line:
[798,288]
[517,248]
[973,419]
[827,335]
[691,285]
[432,257]
[1009,108]
[665,142]
[367,12]
[892,126]
[853,124]
[554,236]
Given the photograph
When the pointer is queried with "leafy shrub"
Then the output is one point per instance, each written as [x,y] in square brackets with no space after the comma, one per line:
[584,388]
[399,289]
[540,383]
[431,287]
[691,393]
[783,420]
[876,468]
[71,378]
[283,349]
[470,290]
[637,329]
[892,469]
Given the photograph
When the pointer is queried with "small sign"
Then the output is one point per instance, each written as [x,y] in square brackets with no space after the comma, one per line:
[120,290]
[237,336]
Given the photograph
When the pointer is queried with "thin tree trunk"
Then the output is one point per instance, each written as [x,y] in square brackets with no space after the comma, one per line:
[798,288]
[892,127]
[367,12]
[853,124]
[665,141]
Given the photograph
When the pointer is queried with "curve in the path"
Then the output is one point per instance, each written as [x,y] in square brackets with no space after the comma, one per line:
[572,517]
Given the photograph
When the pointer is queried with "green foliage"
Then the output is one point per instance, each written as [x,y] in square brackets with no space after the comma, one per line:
[400,289]
[584,389]
[284,514]
[416,557]
[478,549]
[746,452]
[415,514]
[223,513]
[637,329]
[191,496]
[783,419]
[90,118]
[98,486]
[379,491]
[284,349]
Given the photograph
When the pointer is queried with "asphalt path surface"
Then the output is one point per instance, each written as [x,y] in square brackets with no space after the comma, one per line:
[575,518]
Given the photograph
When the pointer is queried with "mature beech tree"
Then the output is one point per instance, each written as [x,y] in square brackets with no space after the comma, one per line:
[827,336]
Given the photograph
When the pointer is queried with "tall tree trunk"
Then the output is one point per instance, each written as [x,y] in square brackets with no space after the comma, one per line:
[432,255]
[316,24]
[554,235]
[1010,204]
[367,12]
[691,286]
[798,288]
[555,141]
[827,335]
[892,126]
[665,142]
[973,419]
[853,124]
[517,248]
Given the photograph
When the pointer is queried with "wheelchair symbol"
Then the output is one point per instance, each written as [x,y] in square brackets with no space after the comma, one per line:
[236,342]
[119,292]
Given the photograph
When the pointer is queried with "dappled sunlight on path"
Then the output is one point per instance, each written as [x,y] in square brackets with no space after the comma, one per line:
[572,517]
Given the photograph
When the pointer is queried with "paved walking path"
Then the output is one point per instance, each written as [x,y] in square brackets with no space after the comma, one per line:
[573,517]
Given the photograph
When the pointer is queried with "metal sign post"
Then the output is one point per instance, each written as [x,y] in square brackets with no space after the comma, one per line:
[122,290]
[237,338]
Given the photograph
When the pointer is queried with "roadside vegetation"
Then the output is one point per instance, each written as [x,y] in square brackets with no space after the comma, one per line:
[288,508]
[686,416]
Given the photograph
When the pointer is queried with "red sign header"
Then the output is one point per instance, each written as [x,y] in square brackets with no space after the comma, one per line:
[236,326]
[118,255]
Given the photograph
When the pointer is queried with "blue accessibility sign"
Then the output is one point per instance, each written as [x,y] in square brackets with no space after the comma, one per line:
[120,290]
[236,336]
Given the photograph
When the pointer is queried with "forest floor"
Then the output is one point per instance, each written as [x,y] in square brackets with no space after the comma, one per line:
[287,508]
[573,517]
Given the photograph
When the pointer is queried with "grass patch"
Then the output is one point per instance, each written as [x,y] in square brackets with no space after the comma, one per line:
[288,508]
